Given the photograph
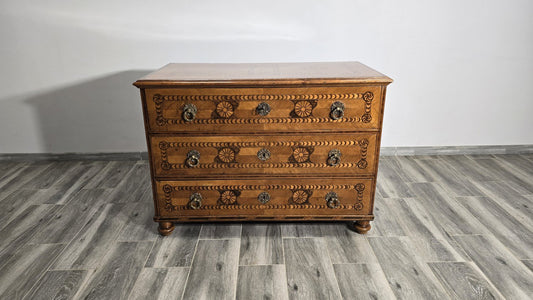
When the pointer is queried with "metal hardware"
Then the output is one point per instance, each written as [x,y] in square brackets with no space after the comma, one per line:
[334,157]
[332,200]
[264,197]
[337,110]
[189,112]
[263,154]
[195,201]
[262,109]
[193,159]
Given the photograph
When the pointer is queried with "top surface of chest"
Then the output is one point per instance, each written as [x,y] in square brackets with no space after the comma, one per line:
[177,74]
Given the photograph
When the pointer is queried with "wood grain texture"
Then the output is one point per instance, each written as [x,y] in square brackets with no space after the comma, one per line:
[132,186]
[120,268]
[24,269]
[310,273]
[140,224]
[220,231]
[346,246]
[463,280]
[59,284]
[512,278]
[92,242]
[214,270]
[261,244]
[407,276]
[270,282]
[111,175]
[362,281]
[160,284]
[242,73]
[176,250]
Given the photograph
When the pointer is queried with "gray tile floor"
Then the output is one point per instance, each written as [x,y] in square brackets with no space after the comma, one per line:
[447,227]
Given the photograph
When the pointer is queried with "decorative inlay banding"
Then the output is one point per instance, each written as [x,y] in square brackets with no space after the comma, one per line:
[230,193]
[224,113]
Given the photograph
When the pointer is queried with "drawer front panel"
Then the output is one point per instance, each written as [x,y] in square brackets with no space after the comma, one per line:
[335,154]
[266,197]
[263,109]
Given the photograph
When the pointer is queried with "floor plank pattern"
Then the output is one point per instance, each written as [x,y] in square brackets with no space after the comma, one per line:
[447,227]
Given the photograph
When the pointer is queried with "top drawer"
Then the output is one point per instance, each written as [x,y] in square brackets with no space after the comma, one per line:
[264,109]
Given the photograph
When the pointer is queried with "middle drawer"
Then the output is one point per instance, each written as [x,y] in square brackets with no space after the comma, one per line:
[335,154]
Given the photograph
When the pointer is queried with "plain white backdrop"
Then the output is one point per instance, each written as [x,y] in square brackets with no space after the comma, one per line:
[463,70]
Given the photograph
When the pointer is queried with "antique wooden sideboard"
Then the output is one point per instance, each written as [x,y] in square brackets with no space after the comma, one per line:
[263,142]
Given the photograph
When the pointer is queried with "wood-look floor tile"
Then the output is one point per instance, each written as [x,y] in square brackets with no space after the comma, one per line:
[528,263]
[132,186]
[261,244]
[310,273]
[303,229]
[140,225]
[387,218]
[22,179]
[220,231]
[513,234]
[213,273]
[505,172]
[160,284]
[262,282]
[111,175]
[346,246]
[390,185]
[362,281]
[467,167]
[19,231]
[14,204]
[88,247]
[408,169]
[68,221]
[62,191]
[510,199]
[446,212]
[453,181]
[177,249]
[510,276]
[51,175]
[408,277]
[26,266]
[59,284]
[463,280]
[119,271]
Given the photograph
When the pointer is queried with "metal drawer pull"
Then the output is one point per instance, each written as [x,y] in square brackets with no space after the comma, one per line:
[193,159]
[262,109]
[264,197]
[337,110]
[332,200]
[189,112]
[334,157]
[195,201]
[263,154]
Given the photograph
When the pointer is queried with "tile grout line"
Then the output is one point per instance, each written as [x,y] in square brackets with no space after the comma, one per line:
[192,261]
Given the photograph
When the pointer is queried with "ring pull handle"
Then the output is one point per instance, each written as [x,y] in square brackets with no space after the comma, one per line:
[193,159]
[262,109]
[337,110]
[332,200]
[195,201]
[263,154]
[334,157]
[189,112]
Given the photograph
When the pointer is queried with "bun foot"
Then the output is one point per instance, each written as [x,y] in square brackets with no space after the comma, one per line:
[165,228]
[360,227]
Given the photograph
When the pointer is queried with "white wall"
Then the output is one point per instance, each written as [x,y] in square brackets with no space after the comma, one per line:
[463,70]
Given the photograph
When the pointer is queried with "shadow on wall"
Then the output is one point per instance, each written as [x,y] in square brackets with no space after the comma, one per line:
[100,115]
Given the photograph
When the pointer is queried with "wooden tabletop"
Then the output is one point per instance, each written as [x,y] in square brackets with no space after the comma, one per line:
[262,74]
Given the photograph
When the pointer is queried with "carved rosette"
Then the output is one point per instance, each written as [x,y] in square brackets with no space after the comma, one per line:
[300,196]
[301,154]
[226,155]
[228,197]
[225,109]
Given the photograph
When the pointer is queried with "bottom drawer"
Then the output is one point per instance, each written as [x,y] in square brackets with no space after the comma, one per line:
[265,199]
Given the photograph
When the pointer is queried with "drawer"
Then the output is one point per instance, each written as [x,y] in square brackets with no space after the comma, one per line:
[334,154]
[273,198]
[263,109]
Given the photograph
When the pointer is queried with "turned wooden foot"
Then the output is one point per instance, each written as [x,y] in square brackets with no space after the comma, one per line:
[361,227]
[165,228]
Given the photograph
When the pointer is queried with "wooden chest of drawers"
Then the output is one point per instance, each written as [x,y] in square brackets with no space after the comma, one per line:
[263,142]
